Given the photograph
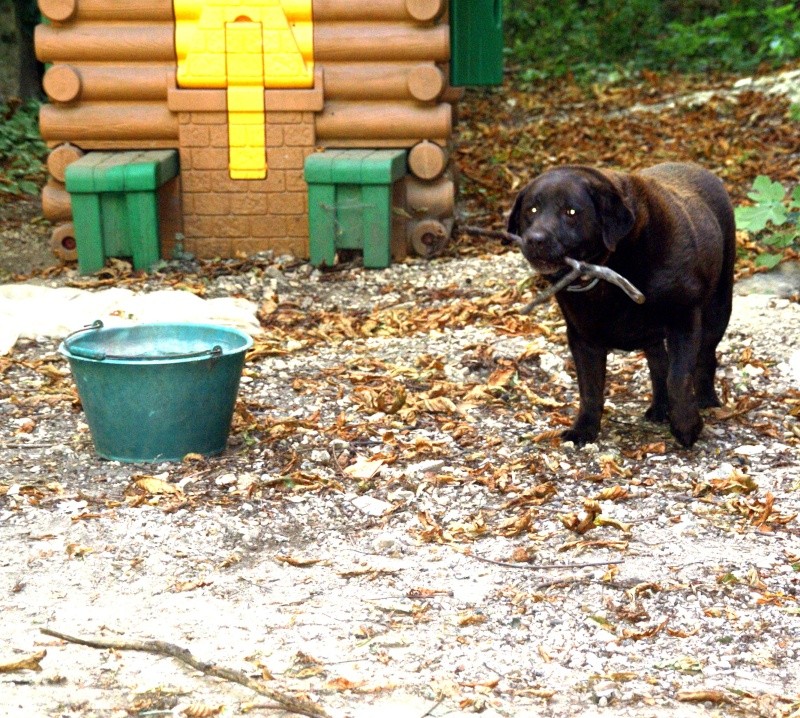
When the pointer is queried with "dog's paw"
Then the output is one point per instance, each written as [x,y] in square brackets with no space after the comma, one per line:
[579,436]
[657,413]
[686,432]
[708,401]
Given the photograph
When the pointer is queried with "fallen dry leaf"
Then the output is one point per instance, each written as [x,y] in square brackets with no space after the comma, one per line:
[702,696]
[75,550]
[364,468]
[29,663]
[156,486]
[298,561]
[201,710]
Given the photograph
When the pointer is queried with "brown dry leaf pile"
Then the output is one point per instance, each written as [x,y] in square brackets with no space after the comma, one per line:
[415,413]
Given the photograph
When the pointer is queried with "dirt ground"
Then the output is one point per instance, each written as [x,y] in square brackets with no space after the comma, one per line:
[24,239]
[394,528]
[404,561]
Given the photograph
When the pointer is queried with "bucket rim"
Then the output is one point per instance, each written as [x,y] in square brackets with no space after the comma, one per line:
[213,352]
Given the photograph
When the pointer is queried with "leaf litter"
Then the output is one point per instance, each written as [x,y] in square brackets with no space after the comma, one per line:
[394,458]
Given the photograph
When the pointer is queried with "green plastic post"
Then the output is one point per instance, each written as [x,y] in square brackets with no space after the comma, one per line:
[142,211]
[476,42]
[322,223]
[88,232]
[377,225]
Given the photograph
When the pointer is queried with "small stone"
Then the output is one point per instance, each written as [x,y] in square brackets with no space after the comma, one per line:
[386,544]
[320,456]
[423,467]
[225,480]
[371,506]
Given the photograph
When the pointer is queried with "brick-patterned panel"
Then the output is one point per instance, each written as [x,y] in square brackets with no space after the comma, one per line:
[279,245]
[286,158]
[209,158]
[294,135]
[274,135]
[297,225]
[195,135]
[268,226]
[213,203]
[224,217]
[250,203]
[287,203]
[208,248]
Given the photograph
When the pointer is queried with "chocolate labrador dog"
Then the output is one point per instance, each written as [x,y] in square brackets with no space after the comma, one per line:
[669,230]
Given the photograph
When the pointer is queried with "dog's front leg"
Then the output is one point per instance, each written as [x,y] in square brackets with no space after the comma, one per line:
[683,343]
[590,365]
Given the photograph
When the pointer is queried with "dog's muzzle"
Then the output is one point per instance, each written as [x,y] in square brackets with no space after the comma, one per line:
[543,252]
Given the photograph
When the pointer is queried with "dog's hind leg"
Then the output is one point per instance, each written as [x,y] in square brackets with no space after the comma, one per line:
[683,344]
[658,363]
[715,318]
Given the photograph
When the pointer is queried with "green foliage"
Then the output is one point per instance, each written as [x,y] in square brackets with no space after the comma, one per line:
[775,209]
[22,152]
[591,38]
[740,39]
[554,38]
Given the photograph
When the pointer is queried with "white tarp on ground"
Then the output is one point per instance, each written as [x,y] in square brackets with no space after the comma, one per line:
[30,311]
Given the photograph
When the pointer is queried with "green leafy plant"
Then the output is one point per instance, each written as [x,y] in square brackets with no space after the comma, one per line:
[739,39]
[774,209]
[598,39]
[22,152]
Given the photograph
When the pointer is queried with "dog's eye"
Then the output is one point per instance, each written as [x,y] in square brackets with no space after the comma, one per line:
[571,211]
[534,210]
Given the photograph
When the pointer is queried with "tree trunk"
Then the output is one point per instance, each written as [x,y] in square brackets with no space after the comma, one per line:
[30,69]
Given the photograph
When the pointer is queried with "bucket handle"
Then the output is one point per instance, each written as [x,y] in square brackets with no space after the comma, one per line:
[84,353]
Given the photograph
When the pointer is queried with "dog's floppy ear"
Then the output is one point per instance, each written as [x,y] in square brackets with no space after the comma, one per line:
[616,217]
[516,211]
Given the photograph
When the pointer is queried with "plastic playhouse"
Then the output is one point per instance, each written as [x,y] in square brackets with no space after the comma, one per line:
[236,126]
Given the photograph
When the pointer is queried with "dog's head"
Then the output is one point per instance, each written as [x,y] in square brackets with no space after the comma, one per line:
[576,212]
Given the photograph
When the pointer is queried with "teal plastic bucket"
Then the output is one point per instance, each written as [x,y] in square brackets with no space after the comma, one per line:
[156,392]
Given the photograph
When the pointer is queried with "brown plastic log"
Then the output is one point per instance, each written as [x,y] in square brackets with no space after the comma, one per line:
[62,83]
[427,160]
[151,42]
[58,10]
[105,10]
[60,158]
[426,82]
[62,242]
[425,10]
[380,120]
[429,237]
[56,204]
[127,82]
[377,10]
[387,42]
[373,80]
[431,199]
[368,80]
[118,121]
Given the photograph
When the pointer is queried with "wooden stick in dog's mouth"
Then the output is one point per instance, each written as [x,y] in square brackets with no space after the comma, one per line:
[578,269]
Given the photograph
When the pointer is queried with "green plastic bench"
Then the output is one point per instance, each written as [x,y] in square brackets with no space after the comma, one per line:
[115,205]
[350,203]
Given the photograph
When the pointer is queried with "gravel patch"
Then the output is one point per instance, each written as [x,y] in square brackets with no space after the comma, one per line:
[381,533]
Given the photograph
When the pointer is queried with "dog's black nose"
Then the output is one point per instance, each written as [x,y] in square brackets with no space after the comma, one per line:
[535,238]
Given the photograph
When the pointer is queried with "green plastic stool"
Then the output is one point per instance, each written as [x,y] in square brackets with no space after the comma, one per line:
[115,205]
[350,203]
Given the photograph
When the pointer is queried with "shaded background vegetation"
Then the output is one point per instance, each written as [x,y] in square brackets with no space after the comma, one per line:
[609,39]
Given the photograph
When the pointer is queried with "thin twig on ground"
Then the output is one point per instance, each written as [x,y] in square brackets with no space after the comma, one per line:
[293,704]
[542,566]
